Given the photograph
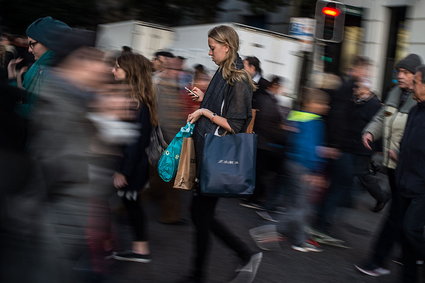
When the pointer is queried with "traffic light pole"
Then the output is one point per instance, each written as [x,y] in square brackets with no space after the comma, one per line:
[330,18]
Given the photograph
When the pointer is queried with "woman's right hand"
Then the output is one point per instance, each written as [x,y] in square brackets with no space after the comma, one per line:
[200,94]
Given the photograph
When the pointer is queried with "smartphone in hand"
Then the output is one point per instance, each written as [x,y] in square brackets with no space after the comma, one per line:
[191,92]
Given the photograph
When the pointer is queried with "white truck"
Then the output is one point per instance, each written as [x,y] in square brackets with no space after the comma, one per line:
[145,38]
[279,54]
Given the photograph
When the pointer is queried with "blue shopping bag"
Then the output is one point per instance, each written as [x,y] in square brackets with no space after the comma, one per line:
[228,165]
[169,161]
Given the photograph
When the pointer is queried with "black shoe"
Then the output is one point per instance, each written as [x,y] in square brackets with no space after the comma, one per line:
[132,256]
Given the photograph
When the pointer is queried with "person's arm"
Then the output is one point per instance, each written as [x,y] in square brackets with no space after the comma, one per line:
[214,117]
[237,115]
[373,131]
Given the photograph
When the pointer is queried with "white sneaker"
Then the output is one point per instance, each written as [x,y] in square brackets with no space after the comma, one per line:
[307,247]
[372,270]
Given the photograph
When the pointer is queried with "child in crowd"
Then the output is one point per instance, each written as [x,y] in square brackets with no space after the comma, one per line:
[304,162]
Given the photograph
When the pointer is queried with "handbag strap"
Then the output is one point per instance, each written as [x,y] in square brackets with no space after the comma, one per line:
[218,127]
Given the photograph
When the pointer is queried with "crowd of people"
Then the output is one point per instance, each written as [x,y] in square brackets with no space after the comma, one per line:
[76,122]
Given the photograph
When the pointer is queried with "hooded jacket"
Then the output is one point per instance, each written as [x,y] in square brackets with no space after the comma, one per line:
[304,143]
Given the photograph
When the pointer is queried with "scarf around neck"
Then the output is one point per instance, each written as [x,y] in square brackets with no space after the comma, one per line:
[32,81]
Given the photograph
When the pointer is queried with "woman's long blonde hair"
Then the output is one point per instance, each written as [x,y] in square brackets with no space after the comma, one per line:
[226,35]
[138,70]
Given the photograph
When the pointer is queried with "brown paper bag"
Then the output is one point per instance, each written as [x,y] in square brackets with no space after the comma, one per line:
[186,172]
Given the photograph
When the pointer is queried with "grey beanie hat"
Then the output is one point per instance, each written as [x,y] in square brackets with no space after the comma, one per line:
[410,62]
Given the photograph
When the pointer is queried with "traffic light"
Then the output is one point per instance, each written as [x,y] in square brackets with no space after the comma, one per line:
[330,17]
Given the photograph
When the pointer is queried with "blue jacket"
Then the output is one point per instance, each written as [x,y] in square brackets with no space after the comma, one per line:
[304,141]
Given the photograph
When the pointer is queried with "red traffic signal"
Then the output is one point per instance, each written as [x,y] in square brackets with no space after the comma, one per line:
[329,11]
[330,19]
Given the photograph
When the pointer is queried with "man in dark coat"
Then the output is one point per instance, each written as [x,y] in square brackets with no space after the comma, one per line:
[271,137]
[252,66]
[410,179]
[363,107]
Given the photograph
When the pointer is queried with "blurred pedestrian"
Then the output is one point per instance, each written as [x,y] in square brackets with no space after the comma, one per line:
[7,40]
[43,36]
[365,104]
[22,203]
[252,66]
[113,114]
[201,79]
[304,167]
[389,124]
[60,144]
[159,62]
[284,101]
[7,53]
[268,126]
[185,76]
[132,174]
[173,108]
[225,107]
[341,165]
[410,180]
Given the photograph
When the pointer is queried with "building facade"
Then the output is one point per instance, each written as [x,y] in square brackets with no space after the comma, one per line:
[383,30]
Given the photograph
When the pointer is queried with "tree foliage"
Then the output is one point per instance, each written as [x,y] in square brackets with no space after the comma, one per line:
[264,6]
[201,11]
[18,14]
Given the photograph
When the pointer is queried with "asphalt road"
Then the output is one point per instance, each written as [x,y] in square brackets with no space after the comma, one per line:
[171,247]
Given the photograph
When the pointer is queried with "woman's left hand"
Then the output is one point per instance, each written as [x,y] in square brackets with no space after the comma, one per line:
[193,117]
